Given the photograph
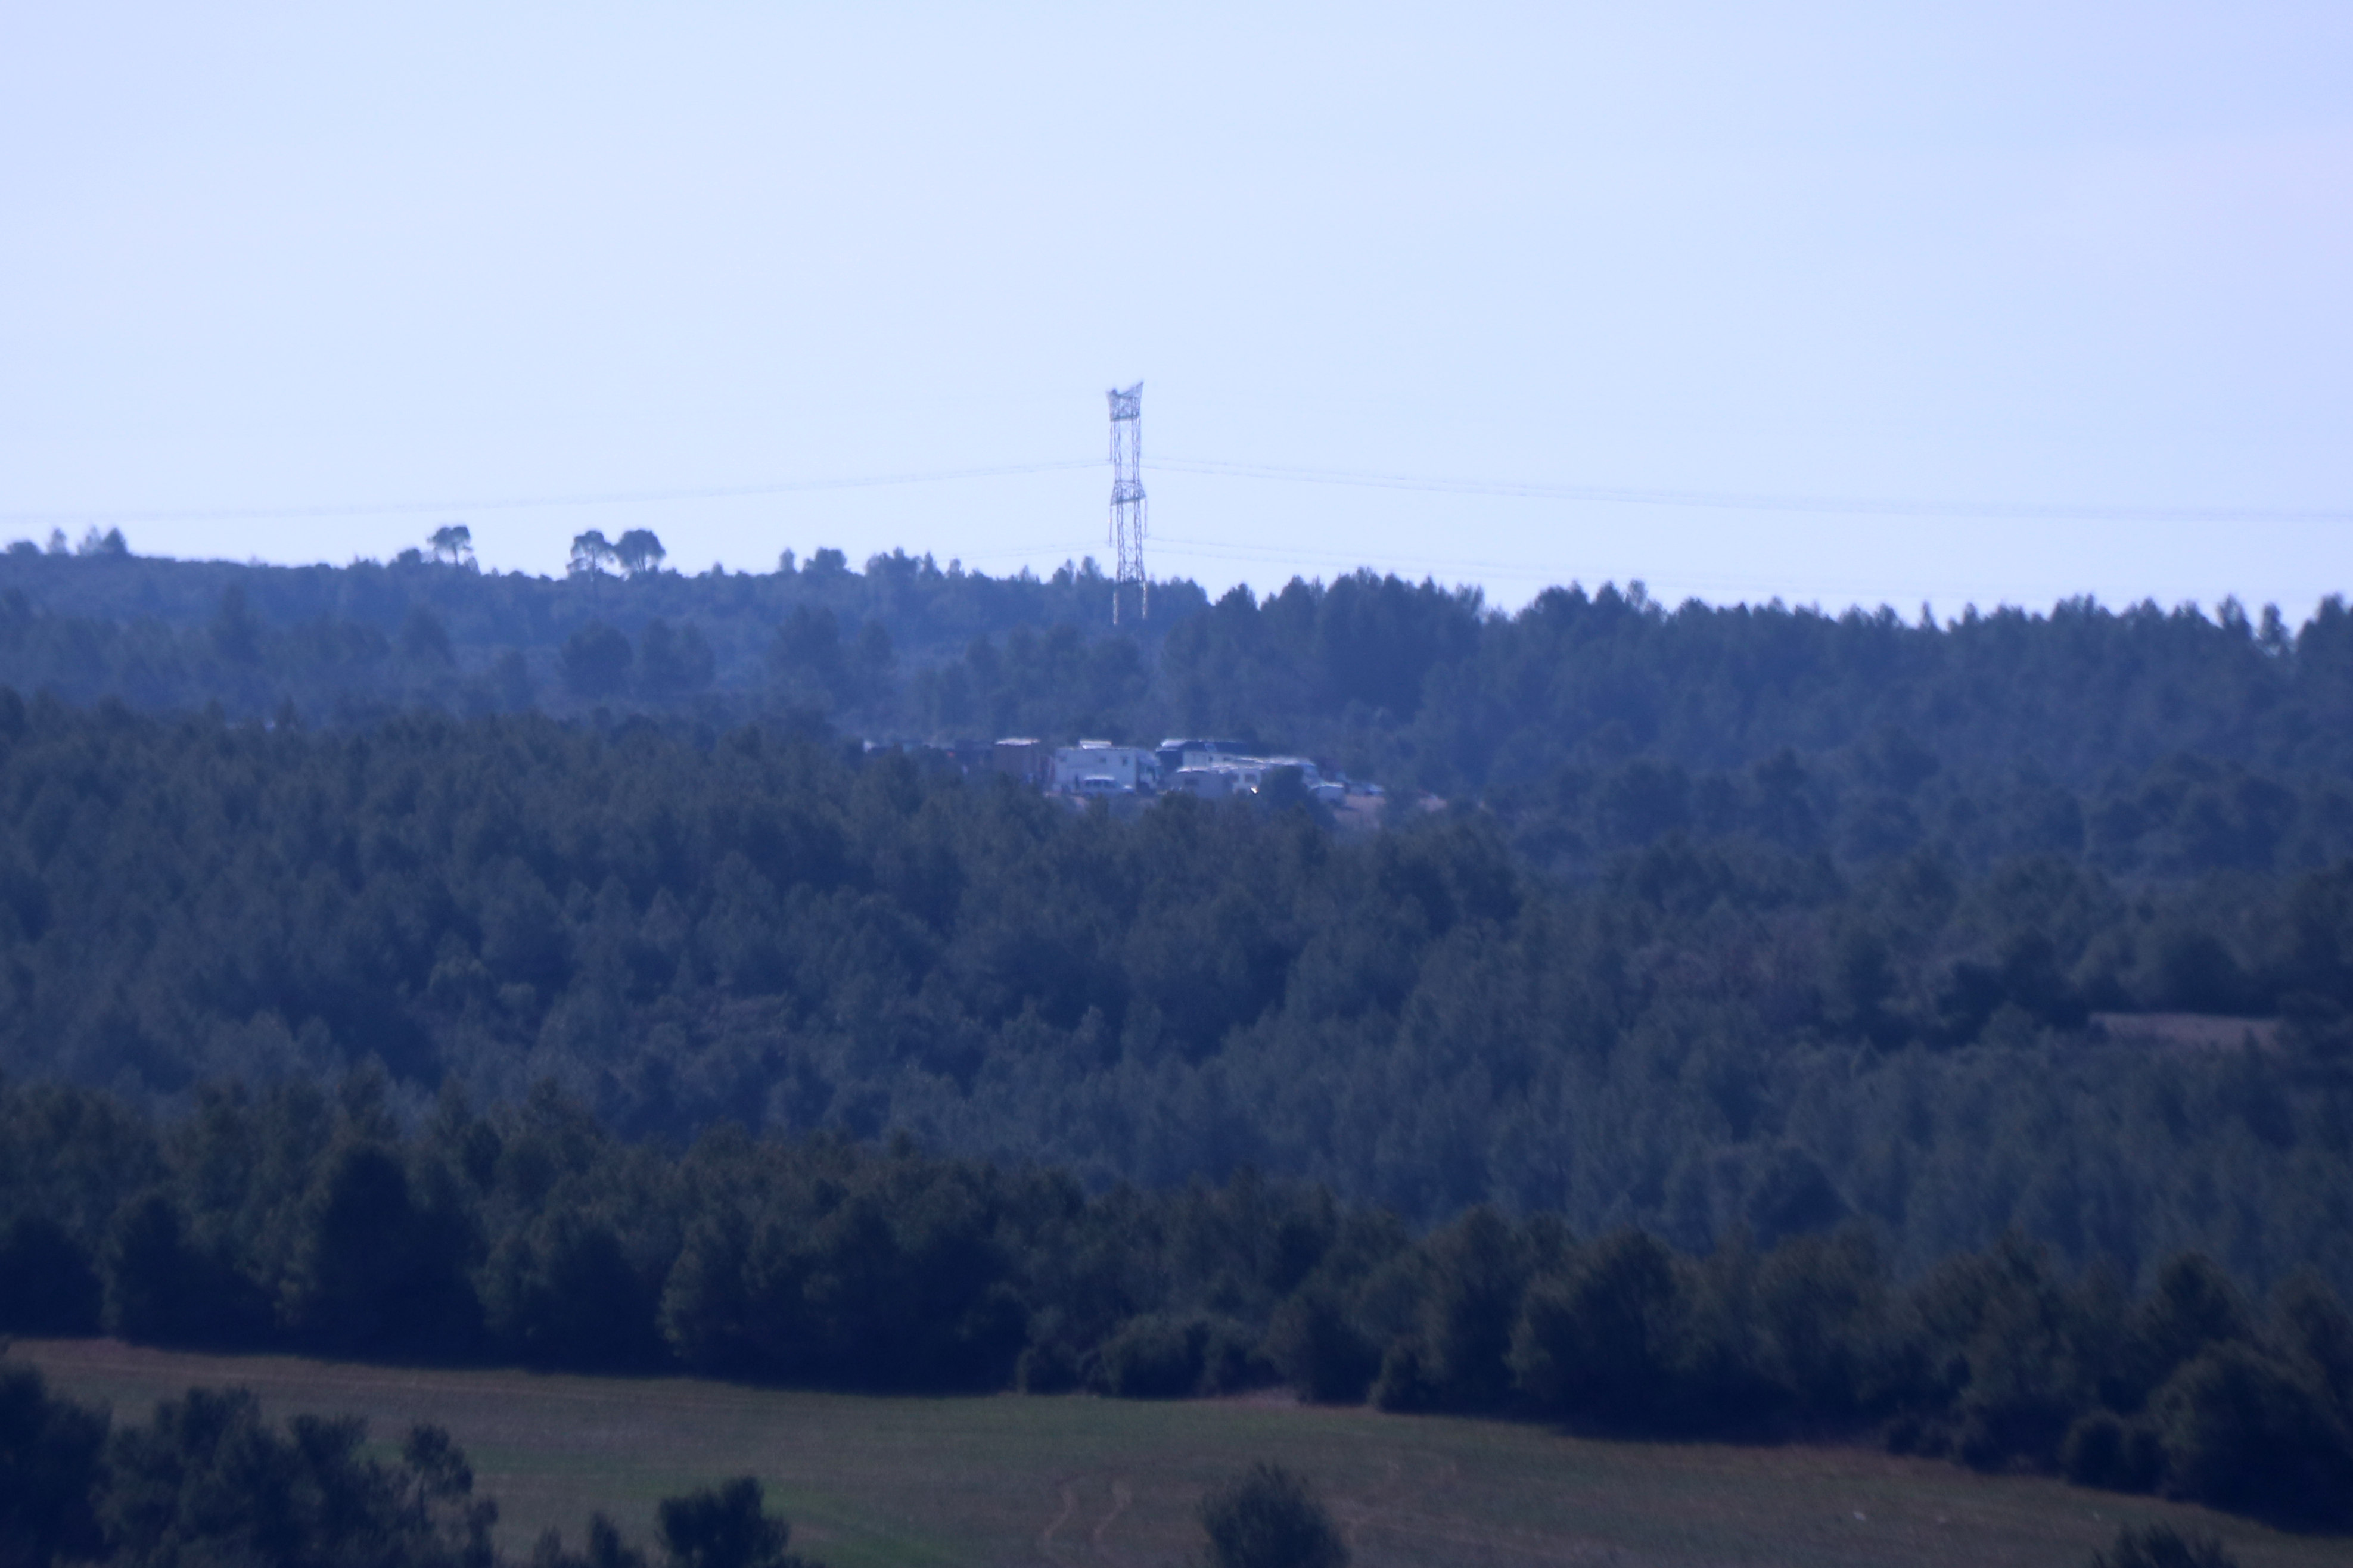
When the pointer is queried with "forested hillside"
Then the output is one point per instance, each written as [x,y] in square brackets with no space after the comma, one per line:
[1414,685]
[348,644]
[533,1234]
[1767,1021]
[686,927]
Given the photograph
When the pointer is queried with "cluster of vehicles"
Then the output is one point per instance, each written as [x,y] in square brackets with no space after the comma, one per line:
[1211,769]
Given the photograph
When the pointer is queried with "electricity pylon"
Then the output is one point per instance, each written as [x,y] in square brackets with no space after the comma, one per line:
[1127,509]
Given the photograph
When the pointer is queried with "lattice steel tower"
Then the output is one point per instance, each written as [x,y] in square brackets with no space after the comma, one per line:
[1127,510]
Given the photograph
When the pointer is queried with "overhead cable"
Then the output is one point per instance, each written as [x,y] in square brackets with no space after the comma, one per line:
[1731,501]
[1725,500]
[517,503]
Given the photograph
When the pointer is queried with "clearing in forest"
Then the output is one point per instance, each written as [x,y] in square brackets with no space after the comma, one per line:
[1080,1480]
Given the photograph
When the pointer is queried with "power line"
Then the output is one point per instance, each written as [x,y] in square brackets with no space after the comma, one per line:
[1746,501]
[1679,581]
[1073,550]
[1219,549]
[518,503]
[1731,501]
[1385,560]
[1442,567]
[1941,590]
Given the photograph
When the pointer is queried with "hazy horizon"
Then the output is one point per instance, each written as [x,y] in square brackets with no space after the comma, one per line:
[2077,270]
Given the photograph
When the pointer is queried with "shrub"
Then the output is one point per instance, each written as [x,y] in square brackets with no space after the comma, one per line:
[1477,1272]
[2240,1432]
[1598,1345]
[160,1287]
[1270,1518]
[1405,1383]
[2103,1449]
[725,1527]
[2004,1332]
[597,660]
[1151,1357]
[1161,1357]
[49,1463]
[1319,1352]
[1049,1367]
[2315,1332]
[210,1482]
[1230,1359]
[47,1283]
[2193,1307]
[2162,1546]
[607,1549]
[373,1270]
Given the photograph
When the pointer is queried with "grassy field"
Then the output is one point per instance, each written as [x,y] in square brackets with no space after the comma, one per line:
[1081,1480]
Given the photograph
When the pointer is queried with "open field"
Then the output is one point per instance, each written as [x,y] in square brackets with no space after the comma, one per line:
[1077,1480]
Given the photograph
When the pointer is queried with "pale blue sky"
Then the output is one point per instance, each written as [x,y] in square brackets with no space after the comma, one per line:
[2067,255]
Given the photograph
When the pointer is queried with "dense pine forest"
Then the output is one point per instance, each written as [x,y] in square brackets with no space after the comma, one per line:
[296,1219]
[685,929]
[1412,684]
[1747,1020]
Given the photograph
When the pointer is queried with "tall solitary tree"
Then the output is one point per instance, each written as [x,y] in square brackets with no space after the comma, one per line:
[640,551]
[591,553]
[452,542]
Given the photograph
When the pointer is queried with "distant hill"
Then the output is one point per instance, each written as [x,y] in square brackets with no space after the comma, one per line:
[2158,740]
[355,640]
[1777,935]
